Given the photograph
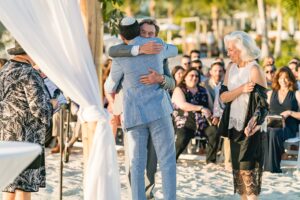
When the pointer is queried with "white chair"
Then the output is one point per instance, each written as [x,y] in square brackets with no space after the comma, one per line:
[293,141]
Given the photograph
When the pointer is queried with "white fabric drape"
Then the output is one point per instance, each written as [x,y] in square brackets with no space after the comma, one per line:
[52,33]
[14,158]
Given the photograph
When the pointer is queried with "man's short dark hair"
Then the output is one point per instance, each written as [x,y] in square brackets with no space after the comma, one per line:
[196,60]
[150,22]
[217,64]
[195,51]
[186,56]
[131,31]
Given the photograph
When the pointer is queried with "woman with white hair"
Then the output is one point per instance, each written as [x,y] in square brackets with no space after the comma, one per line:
[244,93]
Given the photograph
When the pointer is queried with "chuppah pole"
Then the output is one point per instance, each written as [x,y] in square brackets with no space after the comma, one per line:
[61,134]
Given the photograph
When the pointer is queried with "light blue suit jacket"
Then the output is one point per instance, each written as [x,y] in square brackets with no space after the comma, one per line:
[142,103]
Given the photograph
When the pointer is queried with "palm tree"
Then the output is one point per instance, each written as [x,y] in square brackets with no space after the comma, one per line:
[152,5]
[263,20]
[293,10]
[277,49]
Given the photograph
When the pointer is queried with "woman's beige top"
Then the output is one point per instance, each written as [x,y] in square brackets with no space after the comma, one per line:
[237,77]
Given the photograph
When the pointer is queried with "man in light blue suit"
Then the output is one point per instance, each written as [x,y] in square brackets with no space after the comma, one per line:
[147,111]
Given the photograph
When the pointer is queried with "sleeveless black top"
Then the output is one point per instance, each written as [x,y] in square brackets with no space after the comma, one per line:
[289,103]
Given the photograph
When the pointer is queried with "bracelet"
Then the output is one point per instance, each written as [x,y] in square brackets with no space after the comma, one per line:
[291,112]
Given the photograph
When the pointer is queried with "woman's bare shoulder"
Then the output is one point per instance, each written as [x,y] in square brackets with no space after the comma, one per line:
[257,75]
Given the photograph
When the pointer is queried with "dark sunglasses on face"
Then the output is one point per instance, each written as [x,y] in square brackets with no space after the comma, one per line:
[269,72]
[196,76]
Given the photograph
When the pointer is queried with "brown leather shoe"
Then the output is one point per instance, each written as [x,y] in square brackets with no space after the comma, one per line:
[55,149]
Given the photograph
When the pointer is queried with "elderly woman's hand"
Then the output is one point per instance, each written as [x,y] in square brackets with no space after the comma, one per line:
[252,127]
[248,87]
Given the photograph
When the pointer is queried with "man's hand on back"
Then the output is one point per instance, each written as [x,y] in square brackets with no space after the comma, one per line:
[150,48]
[152,78]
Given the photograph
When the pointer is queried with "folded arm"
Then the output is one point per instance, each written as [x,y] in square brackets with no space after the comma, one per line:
[179,99]
[123,50]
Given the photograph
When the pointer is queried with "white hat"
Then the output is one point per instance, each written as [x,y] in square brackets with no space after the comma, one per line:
[126,21]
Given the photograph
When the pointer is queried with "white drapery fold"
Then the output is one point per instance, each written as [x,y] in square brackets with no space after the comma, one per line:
[52,33]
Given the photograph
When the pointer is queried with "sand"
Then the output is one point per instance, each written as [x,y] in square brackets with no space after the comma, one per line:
[195,180]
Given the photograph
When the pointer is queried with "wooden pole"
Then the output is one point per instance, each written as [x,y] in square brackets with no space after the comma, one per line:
[263,18]
[61,164]
[91,11]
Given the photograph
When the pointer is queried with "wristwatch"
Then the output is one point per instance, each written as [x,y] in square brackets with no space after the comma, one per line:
[164,80]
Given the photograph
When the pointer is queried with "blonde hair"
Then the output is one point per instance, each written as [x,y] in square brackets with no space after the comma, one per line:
[243,42]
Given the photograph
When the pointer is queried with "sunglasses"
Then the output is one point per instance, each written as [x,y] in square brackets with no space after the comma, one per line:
[196,76]
[269,72]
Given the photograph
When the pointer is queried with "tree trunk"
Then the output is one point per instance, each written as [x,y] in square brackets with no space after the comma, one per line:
[152,5]
[170,11]
[91,11]
[128,10]
[263,23]
[215,27]
[277,50]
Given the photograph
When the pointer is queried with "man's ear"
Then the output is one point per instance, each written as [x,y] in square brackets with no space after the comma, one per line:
[209,71]
[123,38]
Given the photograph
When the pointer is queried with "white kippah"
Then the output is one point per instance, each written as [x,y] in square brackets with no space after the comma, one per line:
[126,21]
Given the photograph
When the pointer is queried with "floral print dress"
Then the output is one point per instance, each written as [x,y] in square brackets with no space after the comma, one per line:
[192,119]
[25,115]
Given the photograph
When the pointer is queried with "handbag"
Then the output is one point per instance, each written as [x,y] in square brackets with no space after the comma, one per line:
[275,121]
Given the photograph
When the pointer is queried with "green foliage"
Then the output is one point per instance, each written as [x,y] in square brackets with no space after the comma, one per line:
[288,51]
[5,39]
[135,7]
[292,7]
[112,14]
[187,8]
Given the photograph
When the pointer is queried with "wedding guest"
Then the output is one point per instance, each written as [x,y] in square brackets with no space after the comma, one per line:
[177,73]
[244,90]
[269,60]
[185,62]
[25,115]
[293,66]
[190,109]
[195,54]
[269,73]
[284,100]
[216,73]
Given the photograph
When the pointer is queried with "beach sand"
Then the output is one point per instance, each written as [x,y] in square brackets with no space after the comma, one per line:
[195,180]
